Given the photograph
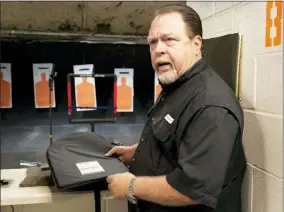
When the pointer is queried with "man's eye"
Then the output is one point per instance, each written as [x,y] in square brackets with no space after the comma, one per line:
[170,41]
[151,42]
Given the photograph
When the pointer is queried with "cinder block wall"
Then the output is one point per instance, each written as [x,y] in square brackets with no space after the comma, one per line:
[261,91]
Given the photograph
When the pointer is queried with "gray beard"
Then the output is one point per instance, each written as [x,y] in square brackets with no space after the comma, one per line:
[168,77]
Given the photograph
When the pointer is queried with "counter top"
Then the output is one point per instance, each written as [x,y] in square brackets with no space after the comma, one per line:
[15,195]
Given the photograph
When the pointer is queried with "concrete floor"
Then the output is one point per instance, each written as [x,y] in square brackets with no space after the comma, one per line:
[29,139]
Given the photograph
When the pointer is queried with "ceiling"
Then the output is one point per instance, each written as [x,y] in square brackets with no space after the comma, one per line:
[109,18]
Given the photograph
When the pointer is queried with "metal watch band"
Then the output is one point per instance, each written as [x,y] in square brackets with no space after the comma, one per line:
[131,197]
[131,183]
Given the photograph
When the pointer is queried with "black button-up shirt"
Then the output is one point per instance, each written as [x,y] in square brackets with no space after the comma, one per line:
[193,135]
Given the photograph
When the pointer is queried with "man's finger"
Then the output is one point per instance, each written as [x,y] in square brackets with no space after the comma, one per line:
[120,158]
[108,179]
[111,152]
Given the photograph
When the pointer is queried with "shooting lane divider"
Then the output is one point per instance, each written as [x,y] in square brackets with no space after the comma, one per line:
[115,95]
[238,74]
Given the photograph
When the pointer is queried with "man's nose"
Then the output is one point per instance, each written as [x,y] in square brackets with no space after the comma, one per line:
[160,48]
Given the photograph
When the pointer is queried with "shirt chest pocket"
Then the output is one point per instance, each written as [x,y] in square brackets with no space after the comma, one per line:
[163,134]
[162,129]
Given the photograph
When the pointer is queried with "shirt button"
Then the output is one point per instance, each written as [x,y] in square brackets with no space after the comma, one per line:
[133,159]
[142,139]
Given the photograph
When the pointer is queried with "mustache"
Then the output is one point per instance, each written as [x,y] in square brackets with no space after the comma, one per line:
[160,61]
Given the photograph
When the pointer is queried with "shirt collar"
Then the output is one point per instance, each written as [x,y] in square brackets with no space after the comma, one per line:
[195,69]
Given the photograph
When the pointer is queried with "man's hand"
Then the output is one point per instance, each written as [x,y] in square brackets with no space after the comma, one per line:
[124,153]
[118,184]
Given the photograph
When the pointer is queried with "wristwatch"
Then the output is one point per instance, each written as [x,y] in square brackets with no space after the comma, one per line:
[131,198]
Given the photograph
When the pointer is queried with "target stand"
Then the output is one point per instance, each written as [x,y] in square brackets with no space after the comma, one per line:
[92,121]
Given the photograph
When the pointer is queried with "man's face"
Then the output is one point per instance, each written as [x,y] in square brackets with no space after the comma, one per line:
[172,52]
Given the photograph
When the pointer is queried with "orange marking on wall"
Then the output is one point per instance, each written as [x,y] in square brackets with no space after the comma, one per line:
[272,22]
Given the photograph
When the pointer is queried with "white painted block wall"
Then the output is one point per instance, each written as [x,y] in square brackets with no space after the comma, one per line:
[261,92]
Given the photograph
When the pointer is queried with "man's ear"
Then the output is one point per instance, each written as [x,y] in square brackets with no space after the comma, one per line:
[197,42]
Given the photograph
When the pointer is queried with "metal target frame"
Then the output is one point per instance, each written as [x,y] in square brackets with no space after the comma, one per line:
[92,121]
[70,76]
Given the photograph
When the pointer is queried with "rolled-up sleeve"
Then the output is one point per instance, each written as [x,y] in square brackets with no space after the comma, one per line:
[203,155]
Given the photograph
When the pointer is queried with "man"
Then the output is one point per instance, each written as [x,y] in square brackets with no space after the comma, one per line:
[190,155]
